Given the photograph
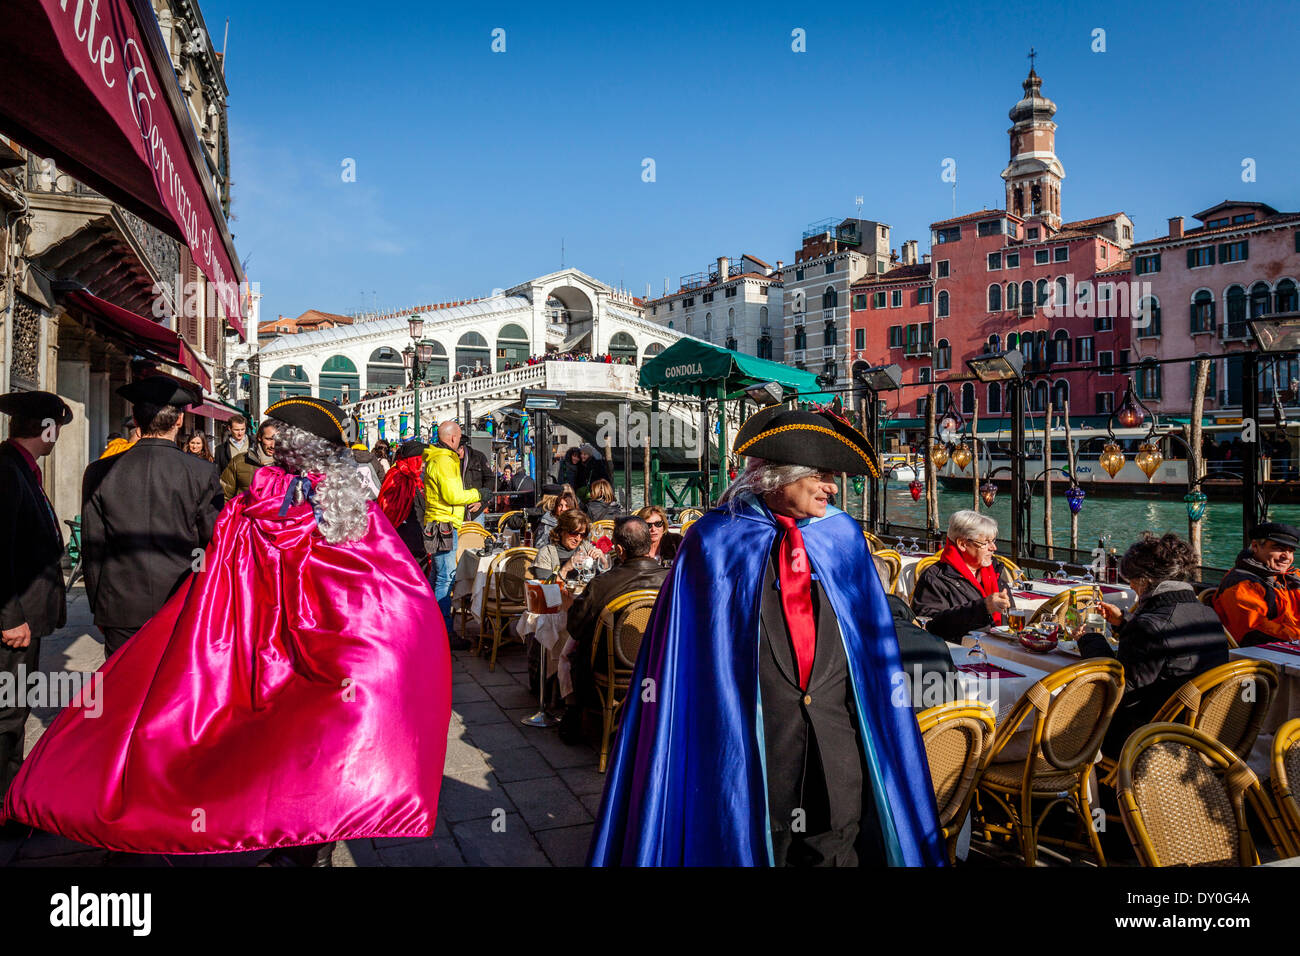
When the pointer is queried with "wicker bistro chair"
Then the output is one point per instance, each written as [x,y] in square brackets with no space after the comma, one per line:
[1056,605]
[619,631]
[957,738]
[873,543]
[1286,777]
[919,568]
[603,528]
[1183,799]
[504,598]
[687,515]
[512,521]
[1071,709]
[1008,565]
[889,565]
[470,536]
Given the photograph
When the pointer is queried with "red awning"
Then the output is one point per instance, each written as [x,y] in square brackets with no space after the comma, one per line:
[216,412]
[91,86]
[140,332]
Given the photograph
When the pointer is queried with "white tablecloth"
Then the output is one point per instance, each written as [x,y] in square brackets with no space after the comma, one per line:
[551,631]
[471,578]
[997,690]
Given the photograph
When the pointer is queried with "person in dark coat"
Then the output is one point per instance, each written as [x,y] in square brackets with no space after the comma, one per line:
[567,473]
[147,514]
[475,472]
[927,662]
[32,596]
[1167,639]
[635,570]
[964,591]
[235,443]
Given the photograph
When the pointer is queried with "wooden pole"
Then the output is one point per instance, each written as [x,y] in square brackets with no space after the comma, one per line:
[645,475]
[1069,453]
[1195,464]
[931,478]
[1047,482]
[975,455]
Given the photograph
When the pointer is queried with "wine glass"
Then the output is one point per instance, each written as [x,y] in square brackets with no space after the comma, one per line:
[916,544]
[1060,571]
[902,545]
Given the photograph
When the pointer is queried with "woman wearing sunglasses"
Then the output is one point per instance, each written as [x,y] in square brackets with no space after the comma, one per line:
[663,547]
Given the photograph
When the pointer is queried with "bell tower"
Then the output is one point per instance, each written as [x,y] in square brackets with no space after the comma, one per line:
[1033,176]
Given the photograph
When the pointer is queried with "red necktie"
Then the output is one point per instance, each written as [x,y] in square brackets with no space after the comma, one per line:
[795,576]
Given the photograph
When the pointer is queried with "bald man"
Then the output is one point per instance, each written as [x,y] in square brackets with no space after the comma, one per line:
[445,498]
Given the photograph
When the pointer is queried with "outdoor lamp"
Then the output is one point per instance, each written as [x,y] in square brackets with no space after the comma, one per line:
[424,349]
[1111,459]
[769,393]
[416,325]
[1148,458]
[915,487]
[961,456]
[1074,496]
[998,366]
[1130,414]
[882,378]
[408,355]
[1276,334]
[988,493]
[859,484]
[1195,501]
[938,455]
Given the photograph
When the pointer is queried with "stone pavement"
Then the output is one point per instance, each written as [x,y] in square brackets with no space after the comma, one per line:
[511,795]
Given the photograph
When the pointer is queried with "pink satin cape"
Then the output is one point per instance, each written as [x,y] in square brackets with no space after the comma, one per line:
[292,692]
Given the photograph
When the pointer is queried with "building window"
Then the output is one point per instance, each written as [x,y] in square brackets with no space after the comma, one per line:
[859,301]
[731,292]
[995,261]
[688,303]
[924,295]
[1061,347]
[1083,349]
[995,398]
[707,297]
[995,298]
[1013,296]
[1105,403]
[877,300]
[1061,254]
[798,275]
[731,318]
[671,306]
[1127,231]
[925,375]
[1234,251]
[1260,300]
[1042,257]
[1202,312]
[1060,394]
[943,304]
[1042,293]
[1032,233]
[828,335]
[830,267]
[708,325]
[829,298]
[1105,363]
[1237,328]
[731,343]
[968,398]
[896,299]
[944,268]
[990,227]
[1210,381]
[1148,381]
[1040,397]
[1013,260]
[859,339]
[765,347]
[941,399]
[1145,265]
[670,323]
[895,336]
[1147,323]
[1026,298]
[800,338]
[1285,296]
[1217,223]
[951,234]
[1246,217]
[1204,256]
[943,356]
[1062,292]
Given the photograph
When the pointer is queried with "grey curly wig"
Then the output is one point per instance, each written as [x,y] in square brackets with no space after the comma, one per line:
[341,512]
[761,477]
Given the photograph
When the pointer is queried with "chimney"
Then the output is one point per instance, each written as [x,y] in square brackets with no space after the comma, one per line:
[724,268]
[779,265]
[925,258]
[909,252]
[1175,227]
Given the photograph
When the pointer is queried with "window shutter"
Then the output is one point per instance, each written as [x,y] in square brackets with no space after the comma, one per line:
[194,304]
[1211,323]
[1157,263]
[1223,252]
[1245,249]
[1191,259]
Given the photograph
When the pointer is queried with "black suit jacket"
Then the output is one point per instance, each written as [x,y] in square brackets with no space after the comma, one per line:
[632,575]
[953,605]
[31,547]
[144,514]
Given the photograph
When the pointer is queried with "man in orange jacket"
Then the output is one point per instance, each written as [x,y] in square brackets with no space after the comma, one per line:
[1259,599]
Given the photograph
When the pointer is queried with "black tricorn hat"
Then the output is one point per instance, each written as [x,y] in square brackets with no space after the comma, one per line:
[161,390]
[319,416]
[1287,535]
[37,405]
[820,440]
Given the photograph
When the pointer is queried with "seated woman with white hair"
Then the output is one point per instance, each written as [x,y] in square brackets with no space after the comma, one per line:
[964,591]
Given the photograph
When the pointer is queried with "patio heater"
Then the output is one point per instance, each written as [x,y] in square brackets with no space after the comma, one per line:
[1008,368]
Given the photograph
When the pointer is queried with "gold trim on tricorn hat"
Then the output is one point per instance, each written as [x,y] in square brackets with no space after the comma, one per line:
[318,416]
[820,439]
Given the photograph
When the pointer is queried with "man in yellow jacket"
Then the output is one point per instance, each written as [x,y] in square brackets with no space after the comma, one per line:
[445,498]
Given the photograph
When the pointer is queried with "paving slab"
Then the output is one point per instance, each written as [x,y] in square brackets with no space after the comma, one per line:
[546,803]
[567,846]
[500,841]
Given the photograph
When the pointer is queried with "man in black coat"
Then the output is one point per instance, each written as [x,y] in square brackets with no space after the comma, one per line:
[147,514]
[634,570]
[965,589]
[475,472]
[235,443]
[32,595]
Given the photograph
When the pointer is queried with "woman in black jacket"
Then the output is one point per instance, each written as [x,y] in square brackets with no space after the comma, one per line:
[964,591]
[1168,638]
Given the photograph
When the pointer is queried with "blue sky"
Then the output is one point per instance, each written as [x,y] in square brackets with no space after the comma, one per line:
[473,166]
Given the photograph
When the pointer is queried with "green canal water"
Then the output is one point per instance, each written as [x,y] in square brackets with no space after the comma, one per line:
[1122,519]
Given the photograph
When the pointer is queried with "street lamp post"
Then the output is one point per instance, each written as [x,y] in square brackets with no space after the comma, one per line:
[1008,367]
[415,359]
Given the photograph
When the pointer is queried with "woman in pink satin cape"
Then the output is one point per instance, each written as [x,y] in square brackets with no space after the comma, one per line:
[292,692]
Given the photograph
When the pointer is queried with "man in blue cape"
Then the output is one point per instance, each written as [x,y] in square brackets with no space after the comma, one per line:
[764,724]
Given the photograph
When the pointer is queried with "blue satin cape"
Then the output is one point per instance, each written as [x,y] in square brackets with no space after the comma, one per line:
[687,784]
